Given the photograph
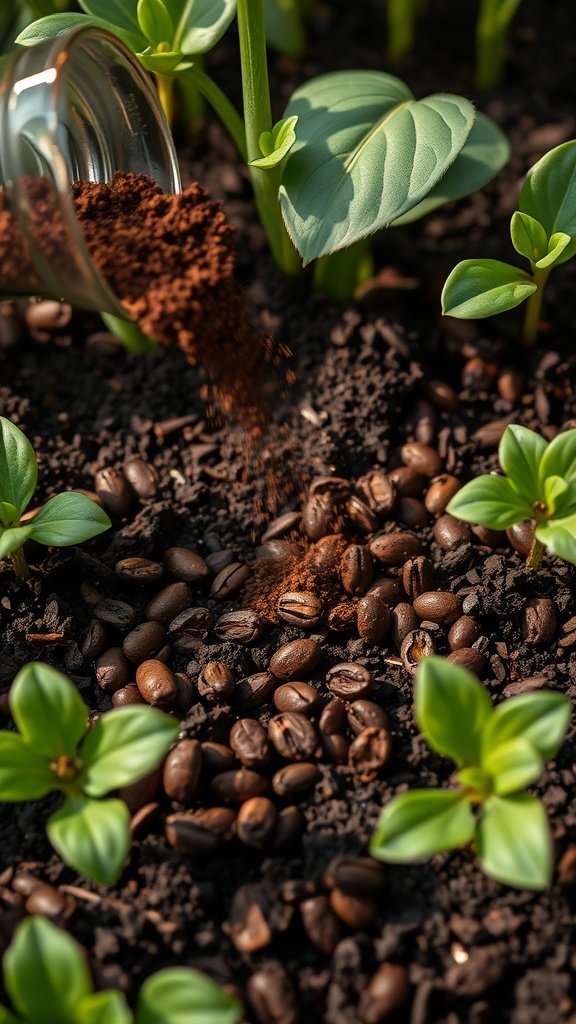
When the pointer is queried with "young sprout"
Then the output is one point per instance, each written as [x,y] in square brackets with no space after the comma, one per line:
[402,17]
[497,752]
[539,484]
[54,751]
[48,981]
[492,24]
[543,230]
[66,519]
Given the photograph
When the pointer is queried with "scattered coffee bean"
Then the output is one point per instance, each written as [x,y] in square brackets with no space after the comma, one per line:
[490,434]
[300,608]
[254,691]
[442,395]
[219,820]
[47,901]
[356,569]
[248,924]
[187,565]
[290,825]
[332,717]
[217,758]
[422,458]
[386,993]
[296,659]
[395,548]
[157,684]
[567,867]
[521,537]
[342,618]
[193,622]
[219,560]
[539,621]
[297,696]
[369,753]
[94,641]
[363,714]
[277,550]
[389,589]
[449,532]
[256,822]
[283,524]
[464,632]
[336,486]
[229,581]
[186,691]
[440,492]
[249,741]
[239,627]
[349,680]
[470,658]
[215,682]
[294,779]
[235,787]
[112,670]
[139,570]
[126,696]
[510,384]
[372,619]
[317,516]
[417,576]
[143,642]
[114,492]
[358,912]
[293,736]
[361,876]
[379,490]
[118,614]
[403,620]
[321,923]
[271,996]
[411,512]
[416,645]
[490,538]
[361,515]
[189,837]
[142,476]
[168,603]
[141,792]
[326,554]
[181,771]
[438,606]
[409,482]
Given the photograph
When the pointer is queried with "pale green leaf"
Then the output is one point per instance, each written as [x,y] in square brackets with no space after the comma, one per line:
[48,710]
[124,745]
[490,501]
[92,836]
[45,973]
[276,145]
[6,1017]
[513,765]
[558,495]
[120,13]
[520,453]
[528,236]
[155,22]
[514,842]
[18,467]
[541,718]
[60,24]
[556,246]
[24,773]
[160,64]
[104,1008]
[559,459]
[549,194]
[9,515]
[480,288]
[68,518]
[200,24]
[420,823]
[559,536]
[179,995]
[451,709]
[11,540]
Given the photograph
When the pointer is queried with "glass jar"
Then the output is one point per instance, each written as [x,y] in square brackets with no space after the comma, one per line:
[75,108]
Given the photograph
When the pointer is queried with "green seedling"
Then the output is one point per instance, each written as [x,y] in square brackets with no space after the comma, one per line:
[539,484]
[65,519]
[402,17]
[498,752]
[285,28]
[543,230]
[492,25]
[54,751]
[47,979]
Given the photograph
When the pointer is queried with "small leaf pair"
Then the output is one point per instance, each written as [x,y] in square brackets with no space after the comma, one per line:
[54,750]
[498,752]
[66,519]
[539,485]
[47,979]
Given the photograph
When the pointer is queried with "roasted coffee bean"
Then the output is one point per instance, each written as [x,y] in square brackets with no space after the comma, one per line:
[395,548]
[342,618]
[490,434]
[326,553]
[126,696]
[464,633]
[438,606]
[249,741]
[349,680]
[165,653]
[403,620]
[168,603]
[219,560]
[215,682]
[416,645]
[300,608]
[294,779]
[195,622]
[442,395]
[186,692]
[470,658]
[360,876]
[417,576]
[144,819]
[336,747]
[478,374]
[510,384]
[285,523]
[363,714]
[386,993]
[234,787]
[379,490]
[256,822]
[297,696]
[143,642]
[372,619]
[358,912]
[271,996]
[336,486]
[277,550]
[47,901]
[217,758]
[521,537]
[248,924]
[389,589]
[240,627]
[317,516]
[139,570]
[539,621]
[321,923]
[422,458]
[189,837]
[290,825]
[332,717]
[293,736]
[449,531]
[94,641]
[409,483]
[142,476]
[112,670]
[440,492]
[356,569]
[567,867]
[296,659]
[114,492]
[219,820]
[141,792]
[157,684]
[425,421]
[254,691]
[118,614]
[369,753]
[490,538]
[181,771]
[187,565]
[229,580]
[361,515]
[411,512]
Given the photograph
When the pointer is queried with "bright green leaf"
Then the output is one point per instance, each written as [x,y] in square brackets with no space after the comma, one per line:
[475,779]
[490,501]
[541,718]
[276,145]
[6,1017]
[24,773]
[69,518]
[451,709]
[18,467]
[9,515]
[45,973]
[183,996]
[119,13]
[11,540]
[549,194]
[59,24]
[48,710]
[559,459]
[556,246]
[556,492]
[479,288]
[200,24]
[366,152]
[520,453]
[559,536]
[124,745]
[92,836]
[513,765]
[104,1008]
[420,823]
[155,22]
[514,842]
[160,63]
[528,236]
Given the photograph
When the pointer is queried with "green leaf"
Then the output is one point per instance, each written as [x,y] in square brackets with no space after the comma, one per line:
[183,996]
[119,13]
[24,773]
[559,459]
[8,1018]
[475,779]
[155,22]
[559,536]
[420,823]
[104,1008]
[276,145]
[559,496]
[11,540]
[92,836]
[160,64]
[451,709]
[513,765]
[549,194]
[69,518]
[556,246]
[45,973]
[490,501]
[59,24]
[541,718]
[18,467]
[200,24]
[528,236]
[514,842]
[9,515]
[124,745]
[48,710]
[479,288]
[366,152]
[284,27]
[520,453]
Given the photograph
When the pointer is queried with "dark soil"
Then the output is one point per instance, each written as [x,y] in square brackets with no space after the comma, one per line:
[476,952]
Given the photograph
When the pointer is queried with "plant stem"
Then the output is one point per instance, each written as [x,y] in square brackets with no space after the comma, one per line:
[535,554]
[129,334]
[165,93]
[494,18]
[20,564]
[293,11]
[341,273]
[258,119]
[192,105]
[221,104]
[401,25]
[534,307]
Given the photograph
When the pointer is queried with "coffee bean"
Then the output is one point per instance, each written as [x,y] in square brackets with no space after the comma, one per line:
[372,619]
[296,659]
[521,537]
[143,642]
[416,645]
[249,741]
[470,658]
[217,758]
[157,684]
[300,608]
[164,654]
[417,576]
[332,717]
[48,315]
[219,820]
[379,490]
[478,374]
[335,747]
[438,606]
[139,570]
[141,792]
[144,820]
[187,565]
[490,538]
[336,486]
[181,771]
[395,548]
[94,641]
[358,912]
[317,516]
[290,825]
[360,876]
[422,458]
[235,787]
[442,395]
[364,714]
[142,476]
[293,736]
[464,632]
[326,554]
[524,686]
[409,483]
[240,627]
[285,523]
[425,421]
[342,618]
[168,603]
[411,512]
[567,867]
[193,622]
[356,569]
[248,923]
[219,560]
[118,614]
[321,923]
[215,682]
[297,696]
[186,692]
[386,993]
[510,384]
[449,531]
[369,753]
[277,550]
[389,589]
[126,696]
[256,822]
[112,670]
[47,901]
[271,996]
[440,492]
[189,837]
[490,434]
[349,680]
[114,492]
[229,581]
[361,515]
[539,621]
[294,779]
[254,691]
[403,620]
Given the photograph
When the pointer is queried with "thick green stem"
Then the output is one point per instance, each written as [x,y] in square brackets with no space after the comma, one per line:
[401,27]
[492,26]
[258,119]
[534,307]
[20,564]
[341,273]
[535,555]
[165,93]
[192,105]
[221,104]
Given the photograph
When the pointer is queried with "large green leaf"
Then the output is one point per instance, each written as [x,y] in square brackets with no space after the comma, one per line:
[549,194]
[45,973]
[200,24]
[18,467]
[59,24]
[514,842]
[104,1008]
[6,1017]
[420,823]
[182,996]
[366,152]
[559,536]
[124,745]
[559,459]
[451,708]
[48,710]
[490,501]
[541,718]
[68,518]
[480,288]
[11,540]
[513,766]
[520,453]
[92,836]
[24,773]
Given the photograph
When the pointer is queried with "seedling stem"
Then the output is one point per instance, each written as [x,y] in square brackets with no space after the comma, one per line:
[224,108]
[492,26]
[534,306]
[20,564]
[166,93]
[535,555]
[402,16]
